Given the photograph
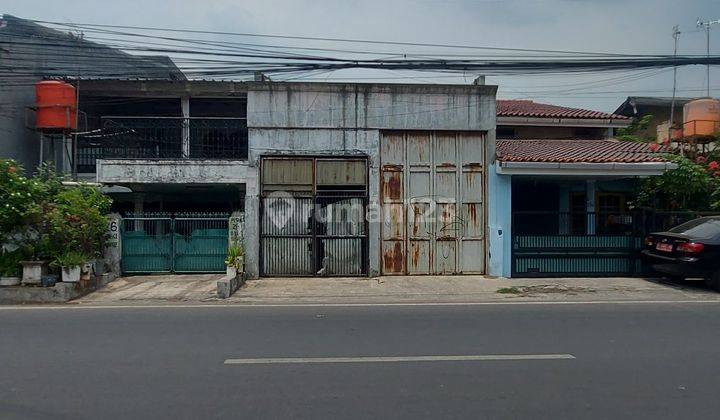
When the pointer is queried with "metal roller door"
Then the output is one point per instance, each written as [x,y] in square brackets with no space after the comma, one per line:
[432,192]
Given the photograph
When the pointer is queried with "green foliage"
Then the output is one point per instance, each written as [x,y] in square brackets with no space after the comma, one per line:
[19,197]
[692,186]
[235,252]
[45,219]
[632,132]
[10,263]
[78,221]
[70,259]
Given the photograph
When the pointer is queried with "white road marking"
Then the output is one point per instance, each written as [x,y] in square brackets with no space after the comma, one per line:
[395,359]
[244,305]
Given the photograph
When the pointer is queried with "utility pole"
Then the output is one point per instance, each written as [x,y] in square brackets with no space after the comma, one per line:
[707,26]
[676,35]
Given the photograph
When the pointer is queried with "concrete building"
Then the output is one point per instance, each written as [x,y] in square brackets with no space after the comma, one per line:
[30,52]
[659,107]
[283,151]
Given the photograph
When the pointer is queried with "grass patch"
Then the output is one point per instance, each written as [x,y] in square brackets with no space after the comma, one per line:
[509,290]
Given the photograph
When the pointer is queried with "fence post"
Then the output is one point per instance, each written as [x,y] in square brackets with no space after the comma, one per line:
[112,253]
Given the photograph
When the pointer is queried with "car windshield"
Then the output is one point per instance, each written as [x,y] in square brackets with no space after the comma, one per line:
[705,228]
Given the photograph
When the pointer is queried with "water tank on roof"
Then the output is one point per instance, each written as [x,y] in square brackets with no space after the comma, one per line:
[56,106]
[701,118]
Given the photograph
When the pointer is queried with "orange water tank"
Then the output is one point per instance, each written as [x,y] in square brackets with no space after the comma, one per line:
[56,106]
[701,117]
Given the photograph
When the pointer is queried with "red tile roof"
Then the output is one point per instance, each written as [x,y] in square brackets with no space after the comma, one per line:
[575,151]
[525,108]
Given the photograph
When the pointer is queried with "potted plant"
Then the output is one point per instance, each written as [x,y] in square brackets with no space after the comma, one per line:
[10,268]
[235,261]
[36,267]
[69,263]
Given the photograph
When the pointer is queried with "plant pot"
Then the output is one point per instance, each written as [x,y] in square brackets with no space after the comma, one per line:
[33,272]
[9,281]
[49,280]
[230,271]
[71,274]
[86,271]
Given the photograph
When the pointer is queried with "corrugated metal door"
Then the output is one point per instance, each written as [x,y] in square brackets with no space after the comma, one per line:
[313,216]
[432,190]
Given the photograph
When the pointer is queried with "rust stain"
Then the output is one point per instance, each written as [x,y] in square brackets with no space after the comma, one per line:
[446,165]
[415,256]
[470,178]
[393,259]
[391,187]
[472,212]
[417,214]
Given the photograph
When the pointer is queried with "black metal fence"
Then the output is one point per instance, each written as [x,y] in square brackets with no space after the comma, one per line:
[163,138]
[553,244]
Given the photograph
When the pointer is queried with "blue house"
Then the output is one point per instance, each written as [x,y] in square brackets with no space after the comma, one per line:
[564,191]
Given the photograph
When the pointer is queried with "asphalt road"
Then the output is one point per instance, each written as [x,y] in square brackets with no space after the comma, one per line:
[630,361]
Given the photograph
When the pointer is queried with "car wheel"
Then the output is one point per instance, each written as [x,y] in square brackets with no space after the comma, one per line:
[714,281]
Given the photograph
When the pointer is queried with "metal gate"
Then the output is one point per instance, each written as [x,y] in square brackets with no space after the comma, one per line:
[174,245]
[313,217]
[432,192]
[551,244]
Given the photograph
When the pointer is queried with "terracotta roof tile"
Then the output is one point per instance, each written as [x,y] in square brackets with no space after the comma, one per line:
[575,151]
[526,108]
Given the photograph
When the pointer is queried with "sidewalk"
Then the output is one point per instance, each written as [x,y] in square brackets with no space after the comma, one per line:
[464,289]
[201,289]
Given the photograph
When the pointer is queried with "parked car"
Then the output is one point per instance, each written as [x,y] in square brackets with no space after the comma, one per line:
[689,250]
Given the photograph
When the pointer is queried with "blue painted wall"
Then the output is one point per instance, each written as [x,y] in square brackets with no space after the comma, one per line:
[499,222]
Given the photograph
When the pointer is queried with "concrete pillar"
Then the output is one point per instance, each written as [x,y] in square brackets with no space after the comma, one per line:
[113,246]
[374,242]
[252,223]
[610,132]
[499,206]
[185,106]
[590,189]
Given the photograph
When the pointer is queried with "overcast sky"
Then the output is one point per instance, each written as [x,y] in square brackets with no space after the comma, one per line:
[631,26]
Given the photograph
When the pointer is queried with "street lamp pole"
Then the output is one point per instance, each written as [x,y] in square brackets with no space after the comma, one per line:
[707,26]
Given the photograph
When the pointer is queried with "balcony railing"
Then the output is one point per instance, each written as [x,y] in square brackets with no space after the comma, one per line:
[163,138]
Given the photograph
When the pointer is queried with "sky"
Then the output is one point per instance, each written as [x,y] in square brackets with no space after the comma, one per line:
[630,26]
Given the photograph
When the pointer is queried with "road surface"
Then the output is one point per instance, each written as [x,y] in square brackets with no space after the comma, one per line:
[535,361]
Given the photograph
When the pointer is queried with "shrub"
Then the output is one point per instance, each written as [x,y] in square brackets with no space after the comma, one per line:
[69,259]
[78,221]
[233,257]
[10,263]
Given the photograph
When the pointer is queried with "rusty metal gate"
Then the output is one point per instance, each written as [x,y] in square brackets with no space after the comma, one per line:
[432,191]
[312,216]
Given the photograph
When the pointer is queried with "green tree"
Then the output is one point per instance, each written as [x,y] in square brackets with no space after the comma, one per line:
[633,131]
[691,186]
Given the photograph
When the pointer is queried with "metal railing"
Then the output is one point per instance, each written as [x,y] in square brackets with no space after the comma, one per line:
[574,223]
[122,137]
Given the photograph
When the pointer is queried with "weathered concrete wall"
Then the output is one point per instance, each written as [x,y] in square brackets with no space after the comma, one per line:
[171,171]
[347,119]
[398,107]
